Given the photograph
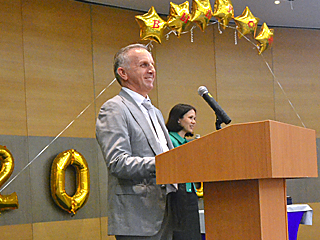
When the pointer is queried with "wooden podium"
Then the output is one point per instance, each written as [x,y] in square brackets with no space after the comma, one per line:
[243,167]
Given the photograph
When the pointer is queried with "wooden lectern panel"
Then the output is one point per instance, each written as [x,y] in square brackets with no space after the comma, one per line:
[246,209]
[293,151]
[258,150]
[243,167]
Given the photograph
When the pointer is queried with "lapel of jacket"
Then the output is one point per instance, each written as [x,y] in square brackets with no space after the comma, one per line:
[164,128]
[139,117]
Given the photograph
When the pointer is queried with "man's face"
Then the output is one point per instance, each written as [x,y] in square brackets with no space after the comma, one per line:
[139,74]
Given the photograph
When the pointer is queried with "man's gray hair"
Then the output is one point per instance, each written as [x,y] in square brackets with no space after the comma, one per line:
[120,59]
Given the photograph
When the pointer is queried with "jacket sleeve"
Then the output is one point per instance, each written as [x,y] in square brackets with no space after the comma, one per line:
[115,133]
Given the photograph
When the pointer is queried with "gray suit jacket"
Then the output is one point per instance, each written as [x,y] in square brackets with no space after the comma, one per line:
[136,205]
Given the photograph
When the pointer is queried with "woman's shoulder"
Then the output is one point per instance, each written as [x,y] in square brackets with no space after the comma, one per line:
[176,139]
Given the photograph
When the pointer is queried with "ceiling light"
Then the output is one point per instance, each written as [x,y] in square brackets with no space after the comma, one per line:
[277,2]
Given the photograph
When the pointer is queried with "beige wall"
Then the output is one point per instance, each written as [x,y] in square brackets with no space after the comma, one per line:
[296,61]
[56,56]
[13,109]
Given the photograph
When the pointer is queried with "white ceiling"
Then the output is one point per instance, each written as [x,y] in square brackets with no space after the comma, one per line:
[295,13]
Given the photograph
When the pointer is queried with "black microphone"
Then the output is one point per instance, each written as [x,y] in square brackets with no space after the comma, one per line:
[221,115]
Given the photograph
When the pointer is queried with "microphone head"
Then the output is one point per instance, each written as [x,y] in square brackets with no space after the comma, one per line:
[202,90]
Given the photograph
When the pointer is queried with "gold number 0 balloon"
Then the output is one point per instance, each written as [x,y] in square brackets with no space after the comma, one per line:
[7,166]
[68,203]
[199,189]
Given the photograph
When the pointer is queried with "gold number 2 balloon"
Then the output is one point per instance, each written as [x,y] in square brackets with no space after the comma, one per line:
[7,166]
[68,203]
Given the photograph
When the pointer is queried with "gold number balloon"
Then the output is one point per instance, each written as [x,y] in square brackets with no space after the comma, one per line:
[200,189]
[68,203]
[151,26]
[7,166]
[246,23]
[223,11]
[179,17]
[201,13]
[265,38]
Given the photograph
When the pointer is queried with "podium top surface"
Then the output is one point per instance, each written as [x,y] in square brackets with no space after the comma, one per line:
[256,150]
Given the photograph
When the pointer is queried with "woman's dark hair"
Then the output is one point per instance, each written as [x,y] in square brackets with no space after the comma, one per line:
[176,113]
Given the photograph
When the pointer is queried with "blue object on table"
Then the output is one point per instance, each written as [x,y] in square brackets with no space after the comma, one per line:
[297,214]
[294,219]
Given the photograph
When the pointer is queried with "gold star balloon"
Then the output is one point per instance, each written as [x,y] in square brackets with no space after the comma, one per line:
[246,23]
[201,13]
[265,38]
[151,26]
[223,11]
[179,17]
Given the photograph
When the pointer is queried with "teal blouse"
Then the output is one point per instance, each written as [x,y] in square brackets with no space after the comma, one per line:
[177,141]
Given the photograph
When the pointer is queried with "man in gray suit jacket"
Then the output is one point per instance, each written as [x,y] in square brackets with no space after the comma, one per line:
[138,207]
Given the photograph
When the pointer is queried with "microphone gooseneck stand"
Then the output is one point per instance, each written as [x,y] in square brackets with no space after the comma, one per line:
[218,123]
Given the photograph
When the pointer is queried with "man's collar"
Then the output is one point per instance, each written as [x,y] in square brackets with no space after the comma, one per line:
[138,98]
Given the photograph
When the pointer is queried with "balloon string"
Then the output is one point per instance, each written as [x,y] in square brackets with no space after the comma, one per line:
[257,47]
[191,34]
[219,28]
[279,84]
[284,93]
[235,38]
[171,31]
[149,46]
[175,33]
[290,103]
[167,35]
[46,147]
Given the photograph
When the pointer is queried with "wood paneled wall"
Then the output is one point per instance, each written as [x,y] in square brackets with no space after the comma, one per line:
[112,29]
[296,65]
[56,57]
[244,82]
[182,67]
[58,67]
[13,103]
